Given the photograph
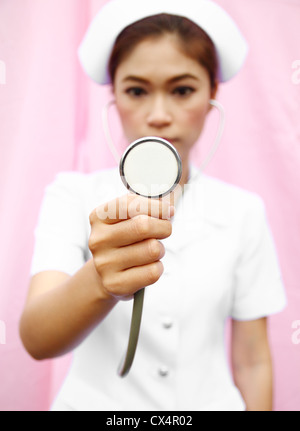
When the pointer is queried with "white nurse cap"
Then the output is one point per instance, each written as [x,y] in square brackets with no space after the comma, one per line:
[96,47]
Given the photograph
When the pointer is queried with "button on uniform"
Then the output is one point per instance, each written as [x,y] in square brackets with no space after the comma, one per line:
[167,323]
[163,371]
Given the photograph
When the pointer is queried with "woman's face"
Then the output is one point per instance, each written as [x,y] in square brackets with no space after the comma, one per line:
[159,91]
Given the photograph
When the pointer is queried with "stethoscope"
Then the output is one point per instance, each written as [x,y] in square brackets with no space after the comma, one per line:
[150,167]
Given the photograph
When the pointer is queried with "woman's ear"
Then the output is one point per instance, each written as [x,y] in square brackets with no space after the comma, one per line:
[214,91]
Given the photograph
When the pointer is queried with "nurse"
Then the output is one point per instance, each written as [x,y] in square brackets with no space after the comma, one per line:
[215,260]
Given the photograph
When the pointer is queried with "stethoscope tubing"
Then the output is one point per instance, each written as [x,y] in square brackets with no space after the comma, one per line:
[135,326]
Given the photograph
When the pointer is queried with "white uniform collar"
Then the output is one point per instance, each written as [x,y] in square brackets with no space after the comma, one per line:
[199,212]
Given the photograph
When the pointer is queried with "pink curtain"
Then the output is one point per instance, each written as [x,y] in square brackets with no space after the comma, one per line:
[50,121]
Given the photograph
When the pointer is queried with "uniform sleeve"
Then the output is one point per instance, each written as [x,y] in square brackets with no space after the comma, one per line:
[258,287]
[61,234]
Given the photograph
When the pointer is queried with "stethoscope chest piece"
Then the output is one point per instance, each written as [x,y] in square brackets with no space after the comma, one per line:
[150,167]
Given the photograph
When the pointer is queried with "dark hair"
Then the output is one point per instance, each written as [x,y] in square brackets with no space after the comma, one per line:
[195,42]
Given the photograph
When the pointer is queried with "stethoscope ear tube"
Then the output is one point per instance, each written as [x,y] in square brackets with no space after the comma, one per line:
[136,318]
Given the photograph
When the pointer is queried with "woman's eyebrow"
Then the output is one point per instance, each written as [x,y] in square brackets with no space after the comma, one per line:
[183,76]
[136,78]
[171,80]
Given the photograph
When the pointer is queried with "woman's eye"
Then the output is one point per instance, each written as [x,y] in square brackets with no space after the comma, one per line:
[136,91]
[183,91]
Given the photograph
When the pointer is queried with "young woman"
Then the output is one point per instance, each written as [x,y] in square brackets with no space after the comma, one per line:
[164,61]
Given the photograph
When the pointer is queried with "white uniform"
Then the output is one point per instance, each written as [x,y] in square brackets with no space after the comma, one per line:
[220,261]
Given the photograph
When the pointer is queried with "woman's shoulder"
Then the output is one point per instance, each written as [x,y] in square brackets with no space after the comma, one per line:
[89,188]
[227,190]
[76,180]
[228,201]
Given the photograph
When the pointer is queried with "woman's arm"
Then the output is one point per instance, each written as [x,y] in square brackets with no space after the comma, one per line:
[251,363]
[61,310]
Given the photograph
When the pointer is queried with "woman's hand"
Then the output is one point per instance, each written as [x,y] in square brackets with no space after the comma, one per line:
[125,244]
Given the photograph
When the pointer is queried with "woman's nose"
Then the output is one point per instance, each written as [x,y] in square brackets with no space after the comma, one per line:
[159,115]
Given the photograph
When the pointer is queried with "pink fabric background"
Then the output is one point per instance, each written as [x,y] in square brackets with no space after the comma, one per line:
[50,121]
